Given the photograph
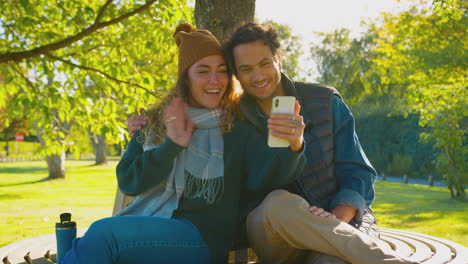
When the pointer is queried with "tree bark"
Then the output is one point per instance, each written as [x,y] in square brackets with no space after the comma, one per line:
[56,165]
[100,147]
[7,148]
[452,193]
[459,186]
[221,16]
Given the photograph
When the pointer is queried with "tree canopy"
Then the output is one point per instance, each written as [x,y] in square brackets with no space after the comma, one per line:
[425,50]
[85,63]
[347,63]
[290,49]
[414,62]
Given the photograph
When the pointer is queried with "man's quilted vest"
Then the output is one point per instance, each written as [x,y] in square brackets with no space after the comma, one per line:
[318,182]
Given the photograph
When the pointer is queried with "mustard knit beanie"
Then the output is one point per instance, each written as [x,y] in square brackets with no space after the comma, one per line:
[194,44]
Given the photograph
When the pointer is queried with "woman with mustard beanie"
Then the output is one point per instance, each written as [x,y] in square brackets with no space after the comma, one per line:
[190,170]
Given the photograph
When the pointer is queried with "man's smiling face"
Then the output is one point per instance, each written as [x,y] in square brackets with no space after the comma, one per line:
[258,70]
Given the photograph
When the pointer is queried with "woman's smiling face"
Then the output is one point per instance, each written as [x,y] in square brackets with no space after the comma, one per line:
[208,81]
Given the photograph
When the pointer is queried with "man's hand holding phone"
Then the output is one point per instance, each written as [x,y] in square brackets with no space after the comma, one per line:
[287,126]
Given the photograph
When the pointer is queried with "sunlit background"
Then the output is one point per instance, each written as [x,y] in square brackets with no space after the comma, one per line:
[306,17]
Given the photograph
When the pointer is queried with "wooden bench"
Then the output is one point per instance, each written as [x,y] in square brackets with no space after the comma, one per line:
[419,247]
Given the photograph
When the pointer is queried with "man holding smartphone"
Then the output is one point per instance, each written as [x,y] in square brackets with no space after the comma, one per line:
[325,216]
[338,181]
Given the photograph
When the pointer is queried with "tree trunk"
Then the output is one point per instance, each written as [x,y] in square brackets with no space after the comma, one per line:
[221,16]
[100,147]
[459,186]
[452,194]
[456,179]
[56,165]
[7,148]
[462,193]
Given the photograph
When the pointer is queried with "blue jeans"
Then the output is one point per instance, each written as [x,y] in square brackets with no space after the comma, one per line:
[139,239]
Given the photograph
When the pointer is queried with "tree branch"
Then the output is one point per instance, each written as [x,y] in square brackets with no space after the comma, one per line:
[20,55]
[101,11]
[155,94]
[86,51]
[63,126]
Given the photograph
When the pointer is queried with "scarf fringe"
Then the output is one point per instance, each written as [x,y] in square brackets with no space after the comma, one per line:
[210,190]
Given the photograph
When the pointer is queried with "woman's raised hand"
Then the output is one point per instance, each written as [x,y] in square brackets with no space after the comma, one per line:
[179,128]
[136,122]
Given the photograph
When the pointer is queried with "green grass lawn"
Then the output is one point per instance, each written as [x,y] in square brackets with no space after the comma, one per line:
[30,204]
[422,209]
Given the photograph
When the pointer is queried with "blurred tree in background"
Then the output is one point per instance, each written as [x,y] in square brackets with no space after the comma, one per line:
[426,50]
[347,63]
[290,49]
[406,80]
[84,63]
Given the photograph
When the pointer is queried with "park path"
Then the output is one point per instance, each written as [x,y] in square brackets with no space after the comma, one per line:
[437,183]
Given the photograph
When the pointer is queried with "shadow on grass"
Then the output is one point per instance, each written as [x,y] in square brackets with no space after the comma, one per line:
[10,196]
[25,183]
[109,158]
[23,170]
[96,165]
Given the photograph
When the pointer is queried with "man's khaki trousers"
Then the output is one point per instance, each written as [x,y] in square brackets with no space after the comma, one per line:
[282,230]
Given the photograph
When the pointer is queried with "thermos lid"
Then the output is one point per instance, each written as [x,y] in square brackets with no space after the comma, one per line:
[65,221]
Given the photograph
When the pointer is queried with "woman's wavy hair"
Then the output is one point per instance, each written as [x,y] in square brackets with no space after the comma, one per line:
[156,128]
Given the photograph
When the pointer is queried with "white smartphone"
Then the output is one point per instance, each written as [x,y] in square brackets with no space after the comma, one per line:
[281,105]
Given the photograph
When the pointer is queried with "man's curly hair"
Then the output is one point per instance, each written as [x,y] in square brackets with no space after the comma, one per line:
[247,33]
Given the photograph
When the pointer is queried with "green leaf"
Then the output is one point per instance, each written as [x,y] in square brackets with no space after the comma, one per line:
[24,4]
[149,44]
[106,110]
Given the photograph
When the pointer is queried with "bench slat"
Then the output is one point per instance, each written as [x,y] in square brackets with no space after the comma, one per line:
[441,252]
[40,248]
[421,253]
[32,250]
[402,248]
[458,253]
[15,252]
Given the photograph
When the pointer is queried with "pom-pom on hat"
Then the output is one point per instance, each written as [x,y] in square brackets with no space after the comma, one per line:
[194,44]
